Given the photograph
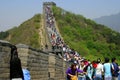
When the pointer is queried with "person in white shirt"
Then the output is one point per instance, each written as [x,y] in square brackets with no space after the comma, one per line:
[81,76]
[98,70]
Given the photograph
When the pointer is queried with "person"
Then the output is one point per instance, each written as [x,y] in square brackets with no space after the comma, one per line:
[26,74]
[72,72]
[119,74]
[116,69]
[15,66]
[81,76]
[89,72]
[98,70]
[107,70]
[46,46]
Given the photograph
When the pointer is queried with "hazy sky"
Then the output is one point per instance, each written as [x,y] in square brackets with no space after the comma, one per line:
[14,12]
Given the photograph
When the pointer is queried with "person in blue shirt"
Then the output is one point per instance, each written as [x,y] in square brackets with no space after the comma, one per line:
[89,72]
[107,70]
[26,74]
[116,69]
[119,74]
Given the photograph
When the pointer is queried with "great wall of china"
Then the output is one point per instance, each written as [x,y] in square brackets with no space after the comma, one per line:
[42,65]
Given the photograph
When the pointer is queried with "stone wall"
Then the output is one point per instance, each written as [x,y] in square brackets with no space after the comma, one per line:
[42,65]
[35,60]
[4,60]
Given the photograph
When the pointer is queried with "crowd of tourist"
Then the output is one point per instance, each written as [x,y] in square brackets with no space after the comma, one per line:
[53,35]
[81,69]
[55,39]
[95,70]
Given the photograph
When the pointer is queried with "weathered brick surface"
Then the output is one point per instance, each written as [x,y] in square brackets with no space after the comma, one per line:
[42,66]
[36,61]
[4,61]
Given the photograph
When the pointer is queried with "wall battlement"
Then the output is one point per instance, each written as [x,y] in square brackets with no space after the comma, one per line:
[49,3]
[42,65]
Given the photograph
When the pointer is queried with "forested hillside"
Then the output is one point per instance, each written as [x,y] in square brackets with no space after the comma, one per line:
[26,33]
[90,39]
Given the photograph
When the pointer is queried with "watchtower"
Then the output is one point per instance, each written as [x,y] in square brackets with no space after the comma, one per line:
[49,4]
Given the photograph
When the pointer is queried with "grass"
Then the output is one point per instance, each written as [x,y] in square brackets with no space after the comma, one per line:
[90,39]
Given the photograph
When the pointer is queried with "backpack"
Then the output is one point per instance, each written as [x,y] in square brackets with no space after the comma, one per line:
[74,78]
[115,70]
[112,70]
[26,74]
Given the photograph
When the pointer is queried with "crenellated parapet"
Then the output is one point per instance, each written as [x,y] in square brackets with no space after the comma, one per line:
[42,65]
[5,53]
[49,3]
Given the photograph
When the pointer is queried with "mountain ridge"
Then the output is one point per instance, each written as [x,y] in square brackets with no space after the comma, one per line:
[26,33]
[112,21]
[90,39]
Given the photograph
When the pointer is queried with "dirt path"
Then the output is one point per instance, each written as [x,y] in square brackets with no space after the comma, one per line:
[41,33]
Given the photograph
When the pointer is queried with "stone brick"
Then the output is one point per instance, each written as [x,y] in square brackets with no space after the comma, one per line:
[42,66]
